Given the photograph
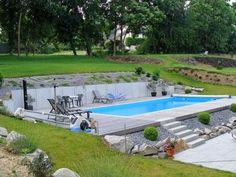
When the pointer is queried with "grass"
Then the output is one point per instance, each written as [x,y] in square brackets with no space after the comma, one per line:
[88,155]
[12,66]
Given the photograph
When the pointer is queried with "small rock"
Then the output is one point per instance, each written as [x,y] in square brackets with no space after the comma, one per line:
[162,155]
[213,135]
[230,125]
[29,120]
[13,136]
[3,132]
[145,150]
[65,172]
[206,137]
[198,131]
[207,131]
[120,143]
[135,149]
[223,124]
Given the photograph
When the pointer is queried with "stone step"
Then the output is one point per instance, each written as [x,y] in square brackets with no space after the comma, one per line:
[172,125]
[166,121]
[190,137]
[183,133]
[178,129]
[196,143]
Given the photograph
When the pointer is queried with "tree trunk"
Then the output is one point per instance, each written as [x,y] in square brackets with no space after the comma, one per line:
[88,50]
[114,41]
[72,45]
[18,35]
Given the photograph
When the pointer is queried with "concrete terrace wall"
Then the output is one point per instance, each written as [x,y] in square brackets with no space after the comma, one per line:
[132,90]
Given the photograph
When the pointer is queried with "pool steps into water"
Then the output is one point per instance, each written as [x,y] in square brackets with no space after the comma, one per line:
[181,131]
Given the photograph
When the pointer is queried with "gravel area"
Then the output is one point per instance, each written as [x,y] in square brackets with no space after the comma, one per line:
[138,137]
[217,118]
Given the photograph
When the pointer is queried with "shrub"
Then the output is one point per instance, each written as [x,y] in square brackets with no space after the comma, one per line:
[21,146]
[155,78]
[139,70]
[148,75]
[156,73]
[1,80]
[188,91]
[204,117]
[151,133]
[180,83]
[219,67]
[39,167]
[233,107]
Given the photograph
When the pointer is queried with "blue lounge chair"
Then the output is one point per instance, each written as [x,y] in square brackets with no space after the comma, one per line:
[119,96]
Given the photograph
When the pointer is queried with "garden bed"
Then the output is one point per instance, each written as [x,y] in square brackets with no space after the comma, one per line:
[209,77]
[134,59]
[212,61]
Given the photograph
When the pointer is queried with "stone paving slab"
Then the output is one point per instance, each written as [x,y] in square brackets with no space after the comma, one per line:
[218,153]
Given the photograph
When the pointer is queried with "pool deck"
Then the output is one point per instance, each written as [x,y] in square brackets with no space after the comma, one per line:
[119,125]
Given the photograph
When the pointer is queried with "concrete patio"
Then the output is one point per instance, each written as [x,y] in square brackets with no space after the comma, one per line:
[218,153]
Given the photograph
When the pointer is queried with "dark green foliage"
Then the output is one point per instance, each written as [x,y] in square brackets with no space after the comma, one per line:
[188,91]
[204,117]
[150,133]
[148,75]
[134,41]
[233,107]
[22,145]
[156,75]
[39,167]
[139,70]
[1,80]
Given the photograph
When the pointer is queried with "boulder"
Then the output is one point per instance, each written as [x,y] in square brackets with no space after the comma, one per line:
[232,121]
[162,143]
[65,172]
[120,143]
[29,158]
[207,131]
[146,150]
[135,149]
[224,129]
[13,136]
[3,132]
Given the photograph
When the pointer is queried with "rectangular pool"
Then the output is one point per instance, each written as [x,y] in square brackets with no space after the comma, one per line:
[143,107]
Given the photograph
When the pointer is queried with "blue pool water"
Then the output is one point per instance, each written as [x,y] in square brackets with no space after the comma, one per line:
[131,109]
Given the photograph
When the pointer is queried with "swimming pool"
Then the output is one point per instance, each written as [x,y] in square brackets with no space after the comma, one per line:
[142,107]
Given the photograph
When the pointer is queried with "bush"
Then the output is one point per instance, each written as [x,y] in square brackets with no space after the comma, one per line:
[233,107]
[188,91]
[39,167]
[21,146]
[204,117]
[1,80]
[151,133]
[139,71]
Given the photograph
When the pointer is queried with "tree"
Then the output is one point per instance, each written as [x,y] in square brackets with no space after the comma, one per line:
[68,22]
[212,24]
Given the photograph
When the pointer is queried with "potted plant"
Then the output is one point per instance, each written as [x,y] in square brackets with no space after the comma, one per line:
[164,92]
[152,86]
[170,150]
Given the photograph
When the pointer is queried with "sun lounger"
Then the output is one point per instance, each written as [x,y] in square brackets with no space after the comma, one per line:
[99,98]
[59,109]
[119,96]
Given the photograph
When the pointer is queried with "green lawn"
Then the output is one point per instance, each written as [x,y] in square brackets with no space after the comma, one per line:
[88,155]
[12,66]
